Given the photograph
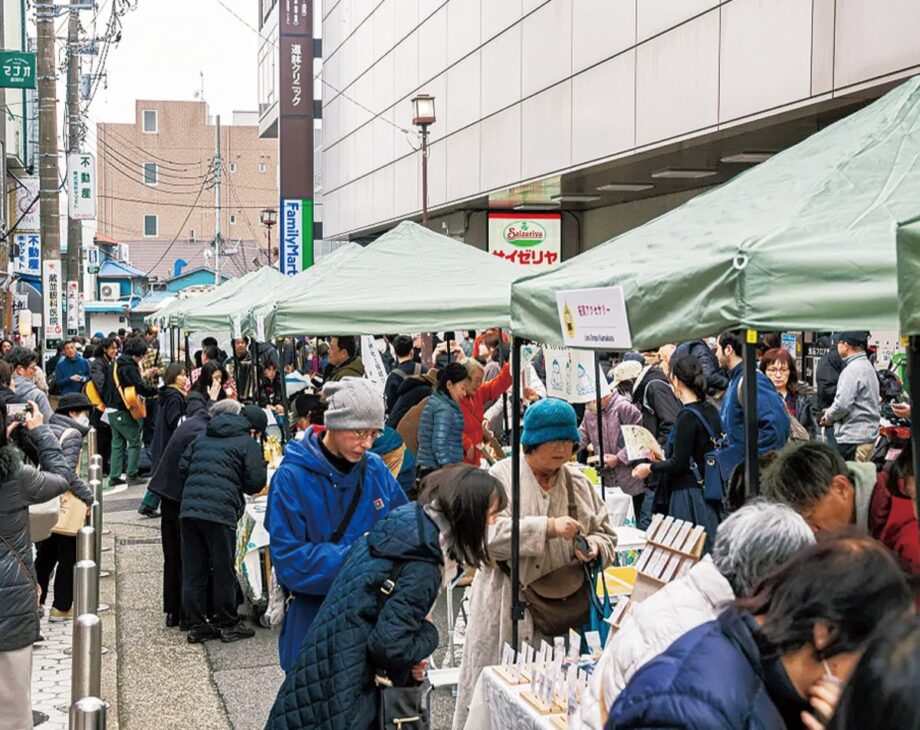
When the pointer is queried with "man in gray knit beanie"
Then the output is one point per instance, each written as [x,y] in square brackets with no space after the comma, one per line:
[328,491]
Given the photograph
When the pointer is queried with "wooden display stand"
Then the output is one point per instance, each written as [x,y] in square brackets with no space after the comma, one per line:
[672,548]
[508,678]
[538,705]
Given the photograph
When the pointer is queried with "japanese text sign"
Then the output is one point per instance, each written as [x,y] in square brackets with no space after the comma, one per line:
[533,240]
[594,318]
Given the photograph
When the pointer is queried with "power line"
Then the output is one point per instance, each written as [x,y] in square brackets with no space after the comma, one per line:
[109,145]
[175,205]
[179,232]
[245,22]
[127,142]
[160,171]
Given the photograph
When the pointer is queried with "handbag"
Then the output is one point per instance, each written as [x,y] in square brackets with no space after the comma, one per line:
[560,600]
[600,608]
[400,708]
[42,518]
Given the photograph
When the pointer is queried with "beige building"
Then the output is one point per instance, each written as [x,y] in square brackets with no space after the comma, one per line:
[157,191]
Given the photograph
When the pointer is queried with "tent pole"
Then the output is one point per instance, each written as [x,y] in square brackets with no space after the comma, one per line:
[188,359]
[749,403]
[257,379]
[172,344]
[913,376]
[600,422]
[501,361]
[517,606]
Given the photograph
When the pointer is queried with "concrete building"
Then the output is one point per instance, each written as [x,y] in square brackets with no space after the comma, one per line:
[611,111]
[156,188]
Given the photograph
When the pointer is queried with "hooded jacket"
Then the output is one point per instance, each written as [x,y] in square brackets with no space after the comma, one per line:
[650,628]
[165,480]
[440,432]
[129,374]
[711,678]
[71,447]
[864,480]
[307,501]
[218,468]
[358,631]
[20,486]
[412,391]
[27,390]
[772,416]
[171,407]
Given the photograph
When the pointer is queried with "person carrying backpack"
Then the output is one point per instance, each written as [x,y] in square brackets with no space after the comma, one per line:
[405,367]
[680,490]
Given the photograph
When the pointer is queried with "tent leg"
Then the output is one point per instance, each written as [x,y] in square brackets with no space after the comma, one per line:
[600,423]
[913,376]
[255,371]
[749,401]
[517,606]
[188,355]
[501,361]
[172,344]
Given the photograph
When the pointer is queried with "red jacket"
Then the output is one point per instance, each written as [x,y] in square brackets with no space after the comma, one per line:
[892,520]
[474,408]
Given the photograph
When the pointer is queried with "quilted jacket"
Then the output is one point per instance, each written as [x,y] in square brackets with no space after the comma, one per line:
[651,626]
[306,503]
[20,486]
[331,686]
[71,446]
[712,678]
[440,432]
[165,480]
[218,468]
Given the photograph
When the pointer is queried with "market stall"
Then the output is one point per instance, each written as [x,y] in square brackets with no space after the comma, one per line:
[908,255]
[212,311]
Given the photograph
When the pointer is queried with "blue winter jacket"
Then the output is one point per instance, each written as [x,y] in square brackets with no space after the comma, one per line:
[67,368]
[711,678]
[332,684]
[307,500]
[772,416]
[440,432]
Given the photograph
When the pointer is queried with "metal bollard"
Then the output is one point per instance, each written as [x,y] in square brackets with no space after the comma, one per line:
[95,520]
[86,673]
[87,713]
[95,471]
[85,587]
[86,543]
[91,443]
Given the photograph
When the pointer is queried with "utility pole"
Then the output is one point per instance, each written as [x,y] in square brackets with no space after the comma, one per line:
[48,141]
[74,227]
[6,290]
[218,239]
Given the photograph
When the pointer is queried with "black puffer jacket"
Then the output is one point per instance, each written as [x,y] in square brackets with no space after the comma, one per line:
[73,432]
[171,408]
[20,486]
[166,481]
[413,391]
[218,468]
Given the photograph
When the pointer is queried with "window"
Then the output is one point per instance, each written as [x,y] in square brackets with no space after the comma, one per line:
[232,167]
[262,167]
[192,237]
[150,226]
[150,173]
[150,121]
[232,219]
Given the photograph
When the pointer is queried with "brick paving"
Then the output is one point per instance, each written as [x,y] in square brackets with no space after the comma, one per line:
[51,672]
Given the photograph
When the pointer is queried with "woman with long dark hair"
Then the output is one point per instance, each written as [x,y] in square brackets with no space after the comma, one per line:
[20,486]
[209,388]
[376,617]
[680,490]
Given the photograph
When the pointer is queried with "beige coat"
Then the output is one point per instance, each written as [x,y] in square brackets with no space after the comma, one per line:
[489,624]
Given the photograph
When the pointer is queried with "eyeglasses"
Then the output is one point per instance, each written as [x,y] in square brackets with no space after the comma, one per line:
[777,370]
[372,435]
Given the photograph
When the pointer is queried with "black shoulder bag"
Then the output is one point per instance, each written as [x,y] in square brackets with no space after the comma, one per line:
[400,708]
[350,512]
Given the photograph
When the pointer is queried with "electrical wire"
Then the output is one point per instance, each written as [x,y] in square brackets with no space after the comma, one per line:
[179,232]
[172,205]
[102,141]
[128,143]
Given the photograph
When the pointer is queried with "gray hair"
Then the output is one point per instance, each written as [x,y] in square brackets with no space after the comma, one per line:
[227,405]
[473,366]
[757,539]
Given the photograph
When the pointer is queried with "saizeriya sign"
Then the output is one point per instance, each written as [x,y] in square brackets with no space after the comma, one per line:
[530,239]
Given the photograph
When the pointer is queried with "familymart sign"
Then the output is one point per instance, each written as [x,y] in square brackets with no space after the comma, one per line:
[533,240]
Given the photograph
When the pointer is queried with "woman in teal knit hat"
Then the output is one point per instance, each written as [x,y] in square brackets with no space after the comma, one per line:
[548,485]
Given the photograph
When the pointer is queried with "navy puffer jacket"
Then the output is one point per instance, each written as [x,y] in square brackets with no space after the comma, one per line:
[440,432]
[331,686]
[219,467]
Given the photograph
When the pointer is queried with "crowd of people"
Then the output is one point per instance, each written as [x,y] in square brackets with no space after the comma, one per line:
[387,492]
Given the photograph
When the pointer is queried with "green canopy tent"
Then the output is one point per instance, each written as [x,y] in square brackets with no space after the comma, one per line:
[908,252]
[803,241]
[258,316]
[410,279]
[212,311]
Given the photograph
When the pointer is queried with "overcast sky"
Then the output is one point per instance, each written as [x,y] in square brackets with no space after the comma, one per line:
[164,46]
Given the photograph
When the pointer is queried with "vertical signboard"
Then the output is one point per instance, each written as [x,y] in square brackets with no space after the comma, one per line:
[295,135]
[533,240]
[27,260]
[73,308]
[27,205]
[81,169]
[54,315]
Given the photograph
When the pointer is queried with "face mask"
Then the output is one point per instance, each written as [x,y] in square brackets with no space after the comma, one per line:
[82,419]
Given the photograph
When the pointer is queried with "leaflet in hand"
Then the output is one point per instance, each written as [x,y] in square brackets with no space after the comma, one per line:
[639,441]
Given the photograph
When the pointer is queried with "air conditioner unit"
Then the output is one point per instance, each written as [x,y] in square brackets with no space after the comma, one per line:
[123,252]
[109,292]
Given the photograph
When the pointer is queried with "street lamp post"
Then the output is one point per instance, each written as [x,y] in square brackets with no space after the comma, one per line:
[269,218]
[422,116]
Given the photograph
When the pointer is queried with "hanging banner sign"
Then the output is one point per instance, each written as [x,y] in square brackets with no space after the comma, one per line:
[571,375]
[296,236]
[52,293]
[73,307]
[27,205]
[533,240]
[81,311]
[81,170]
[594,318]
[92,259]
[373,363]
[27,260]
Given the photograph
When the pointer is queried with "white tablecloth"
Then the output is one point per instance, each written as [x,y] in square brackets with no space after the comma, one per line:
[497,705]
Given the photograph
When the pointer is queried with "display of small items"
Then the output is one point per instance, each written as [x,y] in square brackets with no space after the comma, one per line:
[557,678]
[672,548]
